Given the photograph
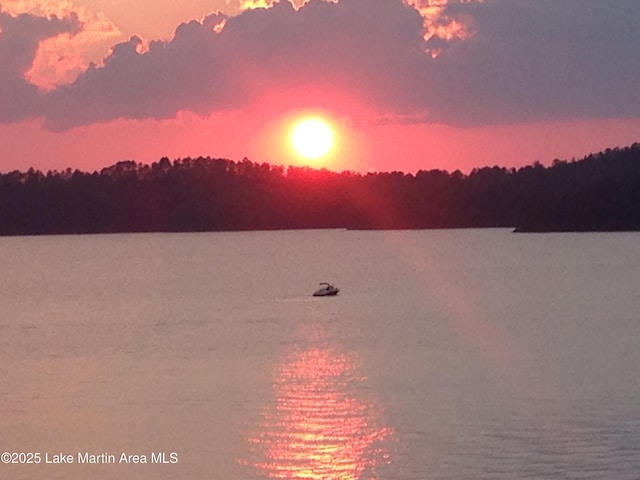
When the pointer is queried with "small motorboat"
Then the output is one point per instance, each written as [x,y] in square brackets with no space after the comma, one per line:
[326,290]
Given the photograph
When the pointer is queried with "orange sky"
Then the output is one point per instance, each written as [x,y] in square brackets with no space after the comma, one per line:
[383,148]
[380,123]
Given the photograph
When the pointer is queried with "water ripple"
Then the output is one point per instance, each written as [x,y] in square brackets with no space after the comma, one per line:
[319,426]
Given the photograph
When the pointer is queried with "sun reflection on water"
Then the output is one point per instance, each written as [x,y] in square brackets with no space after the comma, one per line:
[319,427]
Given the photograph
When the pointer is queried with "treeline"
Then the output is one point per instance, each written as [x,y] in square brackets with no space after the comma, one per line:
[599,192]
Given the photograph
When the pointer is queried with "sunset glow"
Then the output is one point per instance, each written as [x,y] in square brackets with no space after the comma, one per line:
[312,138]
[292,82]
[319,428]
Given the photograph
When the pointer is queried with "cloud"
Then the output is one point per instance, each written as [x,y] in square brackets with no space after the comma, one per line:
[60,58]
[439,24]
[541,59]
[458,62]
[192,72]
[343,45]
[19,39]
[241,5]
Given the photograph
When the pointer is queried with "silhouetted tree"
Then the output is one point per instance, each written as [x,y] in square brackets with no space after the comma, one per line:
[599,192]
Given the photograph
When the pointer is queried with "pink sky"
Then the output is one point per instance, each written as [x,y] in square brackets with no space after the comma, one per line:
[406,85]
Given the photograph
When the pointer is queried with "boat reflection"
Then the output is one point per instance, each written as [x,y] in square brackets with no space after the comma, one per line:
[318,428]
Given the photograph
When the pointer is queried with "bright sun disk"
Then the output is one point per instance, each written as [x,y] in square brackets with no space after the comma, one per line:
[312,138]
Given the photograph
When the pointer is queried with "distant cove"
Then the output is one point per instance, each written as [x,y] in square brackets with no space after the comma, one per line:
[600,192]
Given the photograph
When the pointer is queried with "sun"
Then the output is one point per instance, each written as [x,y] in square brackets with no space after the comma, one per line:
[312,138]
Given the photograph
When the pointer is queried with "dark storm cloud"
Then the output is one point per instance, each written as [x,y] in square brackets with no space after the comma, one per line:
[528,60]
[19,40]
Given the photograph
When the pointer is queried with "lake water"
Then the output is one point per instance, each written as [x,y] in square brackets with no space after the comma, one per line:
[447,355]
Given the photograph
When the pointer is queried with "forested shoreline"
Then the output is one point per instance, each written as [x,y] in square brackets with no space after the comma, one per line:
[600,192]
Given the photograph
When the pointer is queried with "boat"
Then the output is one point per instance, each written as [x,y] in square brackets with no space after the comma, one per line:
[326,290]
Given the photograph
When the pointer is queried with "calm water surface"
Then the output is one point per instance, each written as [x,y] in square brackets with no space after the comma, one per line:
[448,355]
